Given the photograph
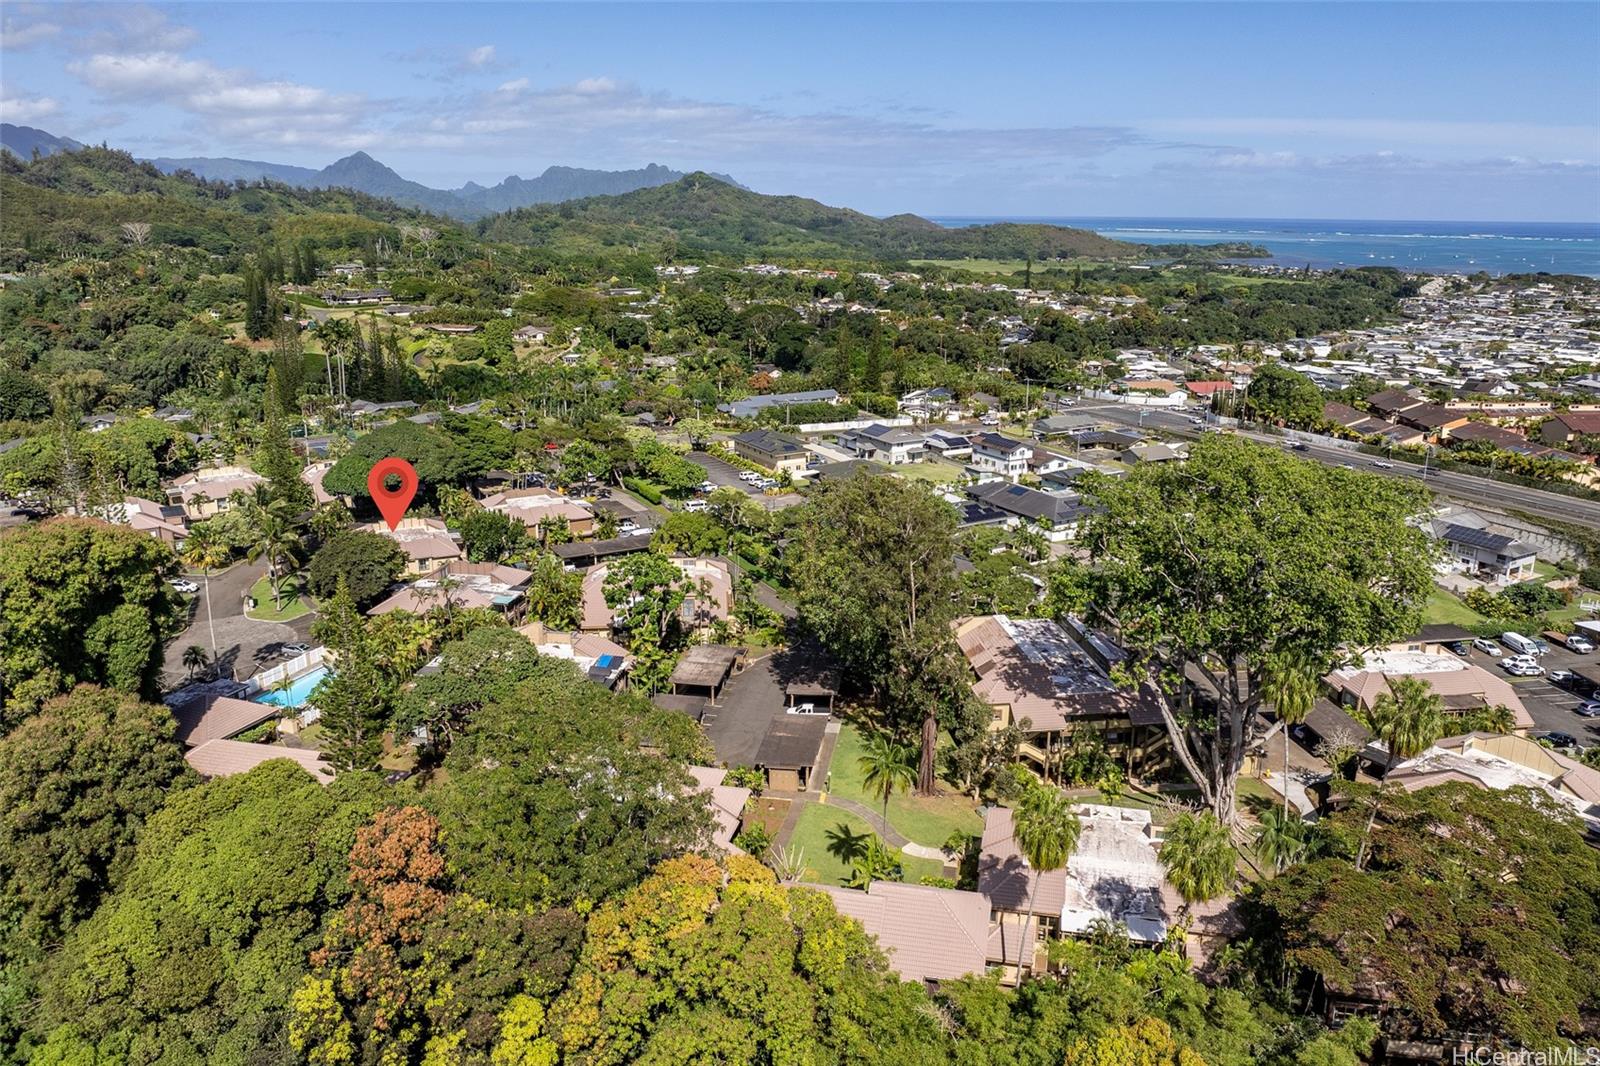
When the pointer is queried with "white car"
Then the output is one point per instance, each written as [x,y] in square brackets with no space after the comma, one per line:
[708,486]
[748,475]
[694,505]
[1487,646]
[808,708]
[1381,465]
[1520,666]
[184,585]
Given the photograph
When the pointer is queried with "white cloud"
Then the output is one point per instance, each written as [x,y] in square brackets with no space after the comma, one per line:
[26,108]
[481,56]
[515,85]
[25,27]
[1464,136]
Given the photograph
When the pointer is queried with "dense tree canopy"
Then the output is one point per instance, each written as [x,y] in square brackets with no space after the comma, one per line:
[368,563]
[1210,567]
[81,601]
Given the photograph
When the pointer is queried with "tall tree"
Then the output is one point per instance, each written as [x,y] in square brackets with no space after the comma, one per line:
[873,562]
[886,767]
[78,781]
[276,539]
[355,700]
[81,601]
[1209,568]
[1046,830]
[275,458]
[206,550]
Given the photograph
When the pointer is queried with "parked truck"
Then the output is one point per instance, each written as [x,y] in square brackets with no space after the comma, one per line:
[1577,642]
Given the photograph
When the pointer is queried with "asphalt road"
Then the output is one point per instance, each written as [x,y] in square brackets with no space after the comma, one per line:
[1466,488]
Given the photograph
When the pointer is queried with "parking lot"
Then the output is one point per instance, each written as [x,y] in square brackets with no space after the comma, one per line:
[722,473]
[1550,707]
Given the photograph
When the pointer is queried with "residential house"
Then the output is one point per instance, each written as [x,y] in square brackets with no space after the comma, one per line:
[1043,461]
[996,454]
[948,444]
[1461,685]
[930,934]
[775,451]
[1151,451]
[368,409]
[224,758]
[1568,427]
[167,523]
[215,710]
[754,405]
[1434,418]
[1390,403]
[531,334]
[727,806]
[710,594]
[1057,517]
[1058,682]
[1114,876]
[533,506]
[1498,762]
[208,492]
[427,542]
[890,445]
[929,405]
[502,589]
[600,659]
[1481,553]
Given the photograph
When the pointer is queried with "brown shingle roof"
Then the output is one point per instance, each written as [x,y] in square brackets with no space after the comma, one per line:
[929,934]
[222,758]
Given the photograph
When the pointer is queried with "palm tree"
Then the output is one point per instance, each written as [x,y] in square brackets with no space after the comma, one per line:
[1408,719]
[886,767]
[205,551]
[277,540]
[1290,685]
[194,657]
[1282,839]
[1199,858]
[1045,828]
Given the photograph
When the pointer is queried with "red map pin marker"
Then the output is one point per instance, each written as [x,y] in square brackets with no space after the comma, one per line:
[392,503]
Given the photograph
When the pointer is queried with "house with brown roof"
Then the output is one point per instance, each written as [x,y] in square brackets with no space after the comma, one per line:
[532,506]
[224,758]
[1391,402]
[727,806]
[427,542]
[168,523]
[1565,427]
[1055,684]
[1433,418]
[601,659]
[1463,686]
[215,711]
[207,492]
[929,934]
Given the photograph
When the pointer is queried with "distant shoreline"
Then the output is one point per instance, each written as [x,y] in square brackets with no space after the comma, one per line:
[1425,246]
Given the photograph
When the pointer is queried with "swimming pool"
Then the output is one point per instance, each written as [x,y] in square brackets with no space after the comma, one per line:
[298,692]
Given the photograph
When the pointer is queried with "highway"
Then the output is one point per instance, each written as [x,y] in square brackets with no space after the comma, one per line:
[1465,488]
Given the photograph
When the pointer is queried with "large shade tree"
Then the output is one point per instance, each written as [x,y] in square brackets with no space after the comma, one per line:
[873,561]
[1209,568]
[81,601]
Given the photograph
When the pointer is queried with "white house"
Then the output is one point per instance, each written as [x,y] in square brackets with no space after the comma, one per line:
[890,445]
[1001,455]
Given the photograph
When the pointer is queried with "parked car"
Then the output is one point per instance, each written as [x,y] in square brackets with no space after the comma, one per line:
[1460,647]
[708,486]
[694,505]
[1518,643]
[1487,646]
[1557,739]
[184,585]
[1561,678]
[296,648]
[808,708]
[1518,666]
[1587,710]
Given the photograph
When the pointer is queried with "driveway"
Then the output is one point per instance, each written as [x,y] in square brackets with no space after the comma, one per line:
[244,645]
[725,474]
[749,702]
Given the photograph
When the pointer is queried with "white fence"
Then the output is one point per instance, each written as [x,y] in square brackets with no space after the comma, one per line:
[1173,399]
[854,423]
[300,664]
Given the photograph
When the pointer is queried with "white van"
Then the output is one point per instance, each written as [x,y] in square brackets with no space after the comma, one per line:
[1519,643]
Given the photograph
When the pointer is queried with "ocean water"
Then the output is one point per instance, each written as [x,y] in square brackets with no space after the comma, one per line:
[1436,247]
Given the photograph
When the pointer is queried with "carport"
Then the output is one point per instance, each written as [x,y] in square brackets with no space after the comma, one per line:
[813,684]
[789,751]
[703,670]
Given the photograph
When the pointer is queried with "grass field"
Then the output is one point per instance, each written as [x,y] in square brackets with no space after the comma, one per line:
[927,820]
[1446,608]
[940,473]
[294,604]
[811,839]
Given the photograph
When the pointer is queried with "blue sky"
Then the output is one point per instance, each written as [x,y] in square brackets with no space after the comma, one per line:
[1299,110]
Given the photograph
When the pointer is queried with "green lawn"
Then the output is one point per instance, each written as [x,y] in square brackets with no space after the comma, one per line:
[1446,607]
[811,839]
[927,820]
[295,603]
[942,473]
